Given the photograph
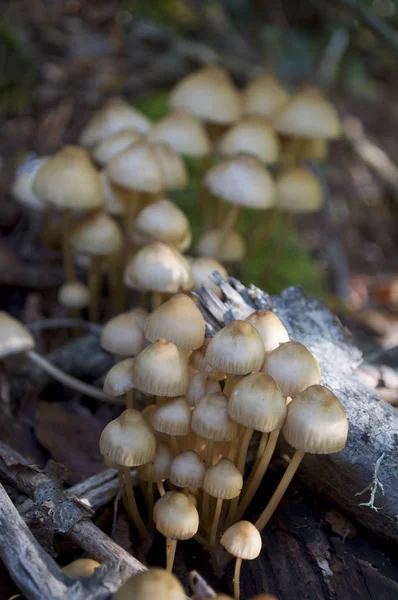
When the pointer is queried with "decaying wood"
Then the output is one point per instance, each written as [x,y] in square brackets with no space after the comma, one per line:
[348,477]
[31,276]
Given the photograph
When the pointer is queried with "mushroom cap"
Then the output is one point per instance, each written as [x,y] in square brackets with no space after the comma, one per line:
[182,131]
[115,197]
[137,168]
[68,179]
[316,422]
[162,221]
[160,268]
[201,385]
[161,369]
[242,540]
[253,136]
[175,516]
[257,402]
[298,191]
[124,334]
[223,480]
[106,149]
[74,295]
[119,378]
[157,469]
[178,320]
[22,185]
[233,249]
[198,361]
[128,440]
[96,234]
[202,270]
[14,337]
[242,180]
[82,567]
[263,95]
[210,94]
[152,584]
[114,115]
[173,417]
[184,243]
[293,367]
[210,419]
[309,115]
[237,349]
[172,167]
[270,328]
[187,470]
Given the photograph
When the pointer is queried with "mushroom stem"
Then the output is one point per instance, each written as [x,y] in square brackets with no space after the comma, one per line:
[258,474]
[130,398]
[242,453]
[174,445]
[132,505]
[161,489]
[171,546]
[72,382]
[156,300]
[229,384]
[216,520]
[116,285]
[151,498]
[280,490]
[233,449]
[67,257]
[228,225]
[260,451]
[238,564]
[94,287]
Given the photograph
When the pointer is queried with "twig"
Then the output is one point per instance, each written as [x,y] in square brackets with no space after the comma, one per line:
[115,509]
[373,487]
[200,587]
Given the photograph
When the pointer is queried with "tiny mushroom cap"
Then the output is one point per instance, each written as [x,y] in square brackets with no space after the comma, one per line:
[237,349]
[161,369]
[197,361]
[14,337]
[257,402]
[158,267]
[270,328]
[201,385]
[73,295]
[293,367]
[119,378]
[137,168]
[210,94]
[242,540]
[202,270]
[96,234]
[163,221]
[109,147]
[178,320]
[22,185]
[187,470]
[251,135]
[128,440]
[114,116]
[115,197]
[123,335]
[183,132]
[153,584]
[309,115]
[233,250]
[172,167]
[242,180]
[82,567]
[173,417]
[157,469]
[68,179]
[223,480]
[316,422]
[210,419]
[175,516]
[298,191]
[264,95]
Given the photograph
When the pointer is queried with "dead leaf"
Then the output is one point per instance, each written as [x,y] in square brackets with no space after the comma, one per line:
[340,524]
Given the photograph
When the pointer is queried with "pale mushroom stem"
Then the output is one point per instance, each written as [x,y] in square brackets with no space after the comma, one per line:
[280,490]
[258,475]
[67,257]
[215,522]
[161,489]
[260,451]
[132,505]
[233,448]
[130,398]
[72,382]
[94,285]
[171,546]
[116,285]
[174,444]
[156,300]
[228,226]
[242,453]
[238,564]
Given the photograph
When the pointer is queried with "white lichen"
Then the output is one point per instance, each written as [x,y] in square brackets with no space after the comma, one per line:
[373,487]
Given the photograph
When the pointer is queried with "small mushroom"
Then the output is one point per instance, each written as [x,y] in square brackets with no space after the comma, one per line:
[153,584]
[173,418]
[253,136]
[119,381]
[270,327]
[243,541]
[233,248]
[202,271]
[293,367]
[109,147]
[81,568]
[156,471]
[263,96]
[200,385]
[187,471]
[74,295]
[184,132]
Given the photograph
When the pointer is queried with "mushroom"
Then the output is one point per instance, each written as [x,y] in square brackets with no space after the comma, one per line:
[263,96]
[162,221]
[270,327]
[253,136]
[119,381]
[293,367]
[153,584]
[172,167]
[74,295]
[123,335]
[198,362]
[233,247]
[81,568]
[156,471]
[298,191]
[201,384]
[173,418]
[202,270]
[187,471]
[107,148]
[182,131]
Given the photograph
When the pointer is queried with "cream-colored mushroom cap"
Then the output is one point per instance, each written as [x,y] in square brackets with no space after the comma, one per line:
[153,584]
[162,221]
[201,385]
[185,242]
[242,180]
[223,480]
[187,470]
[233,250]
[115,197]
[119,378]
[123,335]
[14,337]
[82,567]
[316,422]
[210,419]
[172,167]
[309,115]
[68,179]
[270,328]
[264,95]
[158,267]
[175,516]
[172,417]
[202,271]
[73,295]
[22,185]
[128,440]
[253,136]
[210,94]
[115,115]
[137,168]
[237,349]
[96,234]
[161,369]
[197,361]
[109,147]
[242,540]
[178,320]
[183,132]
[157,469]
[257,402]
[298,191]
[293,367]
